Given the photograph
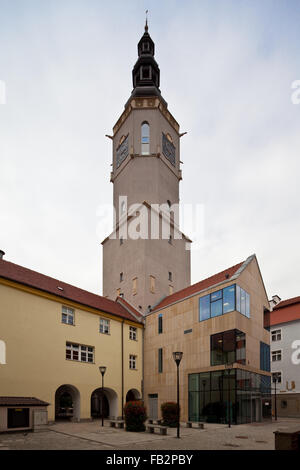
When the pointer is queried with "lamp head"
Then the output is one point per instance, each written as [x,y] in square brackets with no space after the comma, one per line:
[102,370]
[177,356]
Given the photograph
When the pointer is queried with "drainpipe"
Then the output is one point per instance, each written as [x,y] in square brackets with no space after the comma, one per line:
[143,356]
[122,346]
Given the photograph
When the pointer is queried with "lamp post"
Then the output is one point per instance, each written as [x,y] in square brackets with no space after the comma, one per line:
[177,356]
[229,366]
[102,370]
[275,379]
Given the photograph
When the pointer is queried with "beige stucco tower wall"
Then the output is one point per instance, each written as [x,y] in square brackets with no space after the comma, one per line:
[145,270]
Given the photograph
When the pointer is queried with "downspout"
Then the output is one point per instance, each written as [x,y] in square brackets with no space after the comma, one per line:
[122,346]
[143,359]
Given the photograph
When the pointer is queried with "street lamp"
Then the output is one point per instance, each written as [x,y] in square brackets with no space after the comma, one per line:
[177,356]
[229,366]
[102,372]
[275,376]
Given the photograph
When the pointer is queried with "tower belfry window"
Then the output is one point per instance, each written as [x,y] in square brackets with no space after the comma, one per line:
[145,134]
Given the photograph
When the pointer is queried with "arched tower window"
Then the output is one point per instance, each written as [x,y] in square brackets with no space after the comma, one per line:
[145,131]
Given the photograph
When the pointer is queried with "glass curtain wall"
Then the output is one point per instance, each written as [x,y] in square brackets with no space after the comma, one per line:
[243,394]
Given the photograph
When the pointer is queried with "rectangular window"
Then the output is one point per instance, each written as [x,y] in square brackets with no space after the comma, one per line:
[134,286]
[160,360]
[228,347]
[132,362]
[229,299]
[78,352]
[133,333]
[242,301]
[265,357]
[170,276]
[204,303]
[160,323]
[276,356]
[121,277]
[216,308]
[223,301]
[152,284]
[104,326]
[67,316]
[276,335]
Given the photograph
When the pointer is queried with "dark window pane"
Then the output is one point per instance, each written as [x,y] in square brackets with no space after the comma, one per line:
[216,308]
[194,382]
[216,380]
[229,299]
[160,324]
[217,349]
[229,340]
[204,303]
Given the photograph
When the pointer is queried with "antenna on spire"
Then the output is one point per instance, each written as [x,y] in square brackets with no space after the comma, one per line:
[146,25]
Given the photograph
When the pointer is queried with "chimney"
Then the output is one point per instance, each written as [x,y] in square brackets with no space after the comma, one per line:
[274,301]
[2,253]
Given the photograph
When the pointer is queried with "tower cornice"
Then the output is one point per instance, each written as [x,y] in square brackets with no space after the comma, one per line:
[146,102]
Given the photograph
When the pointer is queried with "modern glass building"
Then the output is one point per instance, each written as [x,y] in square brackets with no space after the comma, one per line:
[220,326]
[243,394]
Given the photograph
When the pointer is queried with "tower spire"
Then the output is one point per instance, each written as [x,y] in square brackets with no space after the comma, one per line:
[146,25]
[146,73]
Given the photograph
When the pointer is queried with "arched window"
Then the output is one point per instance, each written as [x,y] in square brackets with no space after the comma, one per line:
[145,131]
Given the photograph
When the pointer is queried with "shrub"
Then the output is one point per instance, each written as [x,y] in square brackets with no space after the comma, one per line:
[169,411]
[135,416]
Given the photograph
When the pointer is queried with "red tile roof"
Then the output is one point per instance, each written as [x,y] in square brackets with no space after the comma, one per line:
[22,401]
[30,278]
[129,307]
[199,286]
[286,311]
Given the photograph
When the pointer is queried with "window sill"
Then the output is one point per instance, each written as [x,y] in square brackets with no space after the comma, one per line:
[80,362]
[68,324]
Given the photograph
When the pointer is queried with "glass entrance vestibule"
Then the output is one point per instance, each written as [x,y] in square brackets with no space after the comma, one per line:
[243,394]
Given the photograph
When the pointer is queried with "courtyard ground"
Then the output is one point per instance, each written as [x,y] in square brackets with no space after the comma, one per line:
[91,436]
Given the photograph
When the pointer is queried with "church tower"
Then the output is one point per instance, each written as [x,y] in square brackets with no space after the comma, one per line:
[145,174]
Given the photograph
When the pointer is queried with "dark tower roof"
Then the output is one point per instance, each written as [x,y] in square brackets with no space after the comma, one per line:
[146,73]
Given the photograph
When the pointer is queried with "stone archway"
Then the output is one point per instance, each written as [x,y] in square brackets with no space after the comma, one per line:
[132,395]
[67,403]
[106,403]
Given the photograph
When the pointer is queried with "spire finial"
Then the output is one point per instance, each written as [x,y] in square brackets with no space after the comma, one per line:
[146,25]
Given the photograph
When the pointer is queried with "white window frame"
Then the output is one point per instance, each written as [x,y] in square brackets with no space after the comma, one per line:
[276,333]
[104,326]
[132,362]
[80,353]
[68,314]
[133,333]
[277,352]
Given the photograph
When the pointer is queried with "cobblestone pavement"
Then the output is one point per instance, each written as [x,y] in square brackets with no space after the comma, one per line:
[91,436]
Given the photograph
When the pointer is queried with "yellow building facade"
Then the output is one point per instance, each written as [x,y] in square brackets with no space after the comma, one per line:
[55,346]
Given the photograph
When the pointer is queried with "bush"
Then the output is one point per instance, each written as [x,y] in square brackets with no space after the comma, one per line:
[135,416]
[169,411]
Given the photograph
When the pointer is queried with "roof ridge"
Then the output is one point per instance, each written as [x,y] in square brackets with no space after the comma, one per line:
[286,302]
[62,290]
[54,279]
[239,267]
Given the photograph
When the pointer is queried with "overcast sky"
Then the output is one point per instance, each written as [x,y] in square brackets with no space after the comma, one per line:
[226,72]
